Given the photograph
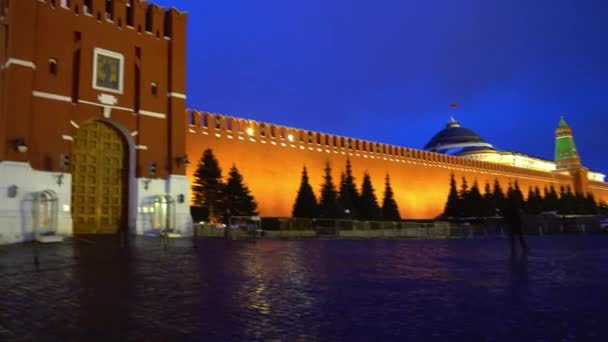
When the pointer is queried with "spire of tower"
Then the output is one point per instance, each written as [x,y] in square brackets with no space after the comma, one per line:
[566,155]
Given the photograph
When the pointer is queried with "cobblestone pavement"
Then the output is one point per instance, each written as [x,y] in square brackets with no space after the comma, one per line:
[328,290]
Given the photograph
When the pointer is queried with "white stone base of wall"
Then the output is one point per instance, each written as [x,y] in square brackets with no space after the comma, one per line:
[20,185]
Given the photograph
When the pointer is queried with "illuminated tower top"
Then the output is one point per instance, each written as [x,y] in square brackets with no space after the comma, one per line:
[566,155]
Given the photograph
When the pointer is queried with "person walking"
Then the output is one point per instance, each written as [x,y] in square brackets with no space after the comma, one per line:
[226,221]
[514,218]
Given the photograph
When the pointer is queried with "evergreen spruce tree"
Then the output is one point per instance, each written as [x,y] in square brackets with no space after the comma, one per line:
[591,207]
[237,196]
[390,211]
[452,206]
[369,209]
[499,198]
[540,201]
[565,206]
[207,186]
[306,203]
[328,203]
[465,205]
[519,196]
[529,204]
[349,196]
[474,201]
[580,204]
[489,207]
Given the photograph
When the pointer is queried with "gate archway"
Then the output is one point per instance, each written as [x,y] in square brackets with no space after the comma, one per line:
[99,180]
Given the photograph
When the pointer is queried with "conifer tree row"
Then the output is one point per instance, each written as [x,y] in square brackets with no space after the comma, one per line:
[346,202]
[212,196]
[469,202]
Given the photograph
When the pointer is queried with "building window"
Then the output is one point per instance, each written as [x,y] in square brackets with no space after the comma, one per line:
[130,13]
[263,130]
[53,66]
[154,88]
[218,122]
[109,10]
[88,6]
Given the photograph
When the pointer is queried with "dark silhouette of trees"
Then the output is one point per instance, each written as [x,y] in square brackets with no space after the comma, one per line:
[236,195]
[349,196]
[207,187]
[499,198]
[328,203]
[390,211]
[306,202]
[534,202]
[368,209]
[474,202]
[452,206]
[551,200]
[488,207]
[591,206]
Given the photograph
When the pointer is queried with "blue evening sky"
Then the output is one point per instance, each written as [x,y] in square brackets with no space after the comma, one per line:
[387,70]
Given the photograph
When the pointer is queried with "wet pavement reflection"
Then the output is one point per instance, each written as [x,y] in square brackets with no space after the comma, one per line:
[308,290]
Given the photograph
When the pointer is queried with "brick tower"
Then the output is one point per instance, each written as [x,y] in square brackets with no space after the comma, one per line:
[92,96]
[567,158]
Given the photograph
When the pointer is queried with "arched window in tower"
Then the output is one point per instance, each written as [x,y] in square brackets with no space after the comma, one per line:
[53,66]
[154,88]
[229,124]
[88,6]
[130,13]
[109,10]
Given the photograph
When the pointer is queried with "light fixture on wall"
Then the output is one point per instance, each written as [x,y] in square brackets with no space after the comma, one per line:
[13,190]
[59,179]
[183,161]
[20,145]
[152,169]
[147,183]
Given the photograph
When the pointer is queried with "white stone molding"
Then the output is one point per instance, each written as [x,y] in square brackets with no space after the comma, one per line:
[152,114]
[101,105]
[177,95]
[73,123]
[108,100]
[21,62]
[141,147]
[67,137]
[50,96]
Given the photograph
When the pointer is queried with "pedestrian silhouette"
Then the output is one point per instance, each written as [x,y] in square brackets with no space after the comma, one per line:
[226,221]
[514,220]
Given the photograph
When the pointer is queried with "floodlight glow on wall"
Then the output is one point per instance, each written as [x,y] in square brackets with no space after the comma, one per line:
[290,137]
[250,131]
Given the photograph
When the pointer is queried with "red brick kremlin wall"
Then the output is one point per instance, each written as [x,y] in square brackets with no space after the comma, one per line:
[271,165]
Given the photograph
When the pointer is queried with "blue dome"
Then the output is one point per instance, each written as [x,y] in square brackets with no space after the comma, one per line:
[456,138]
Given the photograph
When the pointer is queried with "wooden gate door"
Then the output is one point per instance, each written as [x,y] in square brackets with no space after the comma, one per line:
[99,180]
